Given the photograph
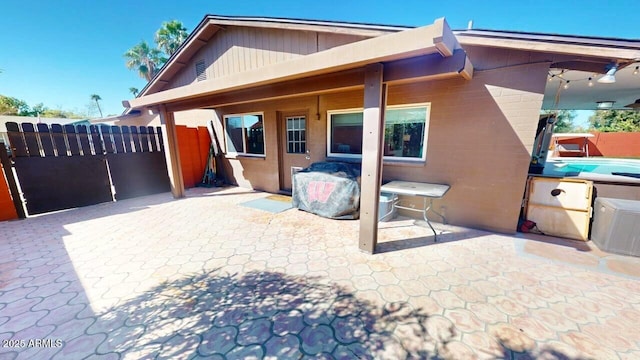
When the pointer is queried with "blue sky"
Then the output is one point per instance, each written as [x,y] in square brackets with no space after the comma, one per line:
[61,52]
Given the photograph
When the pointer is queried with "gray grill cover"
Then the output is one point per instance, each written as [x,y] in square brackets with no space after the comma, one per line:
[328,189]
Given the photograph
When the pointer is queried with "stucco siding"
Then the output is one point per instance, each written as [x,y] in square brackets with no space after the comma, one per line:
[480,137]
[262,173]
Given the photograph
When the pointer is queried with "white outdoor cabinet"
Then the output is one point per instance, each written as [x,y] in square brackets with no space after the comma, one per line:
[616,226]
[560,206]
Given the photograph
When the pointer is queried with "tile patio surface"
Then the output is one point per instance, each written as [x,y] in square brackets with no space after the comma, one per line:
[203,277]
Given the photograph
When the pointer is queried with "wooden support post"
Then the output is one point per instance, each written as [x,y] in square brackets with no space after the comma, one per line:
[372,141]
[172,152]
[11,182]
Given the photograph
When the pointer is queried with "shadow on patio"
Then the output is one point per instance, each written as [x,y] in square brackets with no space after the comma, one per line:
[267,314]
[278,316]
[204,278]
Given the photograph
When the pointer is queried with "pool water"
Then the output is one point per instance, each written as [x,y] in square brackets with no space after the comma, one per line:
[605,166]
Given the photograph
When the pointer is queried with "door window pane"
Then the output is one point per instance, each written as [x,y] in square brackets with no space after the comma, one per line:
[296,134]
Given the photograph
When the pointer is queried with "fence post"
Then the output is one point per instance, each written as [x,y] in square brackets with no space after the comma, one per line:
[11,181]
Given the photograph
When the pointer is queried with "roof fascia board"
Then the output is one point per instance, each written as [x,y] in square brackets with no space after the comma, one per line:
[405,44]
[553,38]
[331,26]
[325,28]
[576,49]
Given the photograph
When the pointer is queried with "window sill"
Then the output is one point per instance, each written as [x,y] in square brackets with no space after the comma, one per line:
[245,156]
[349,160]
[385,162]
[407,163]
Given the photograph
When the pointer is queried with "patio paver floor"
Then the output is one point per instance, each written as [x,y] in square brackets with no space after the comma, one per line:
[202,277]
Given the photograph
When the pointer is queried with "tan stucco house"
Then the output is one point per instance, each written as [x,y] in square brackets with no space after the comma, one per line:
[424,104]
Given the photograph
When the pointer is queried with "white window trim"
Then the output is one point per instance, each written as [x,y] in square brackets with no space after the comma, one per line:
[426,105]
[234,154]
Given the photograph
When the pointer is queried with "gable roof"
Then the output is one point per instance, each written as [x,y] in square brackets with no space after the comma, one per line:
[436,39]
[624,51]
[211,24]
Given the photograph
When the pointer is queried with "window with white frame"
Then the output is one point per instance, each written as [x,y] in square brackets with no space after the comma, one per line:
[405,132]
[244,134]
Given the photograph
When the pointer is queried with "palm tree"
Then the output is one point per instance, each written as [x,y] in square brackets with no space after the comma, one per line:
[133,91]
[145,59]
[170,36]
[96,98]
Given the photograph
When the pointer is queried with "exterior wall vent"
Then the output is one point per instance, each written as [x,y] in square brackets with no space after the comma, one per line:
[201,71]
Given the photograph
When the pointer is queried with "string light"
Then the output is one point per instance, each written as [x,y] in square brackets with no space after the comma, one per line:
[565,83]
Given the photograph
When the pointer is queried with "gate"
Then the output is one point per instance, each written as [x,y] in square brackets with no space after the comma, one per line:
[61,167]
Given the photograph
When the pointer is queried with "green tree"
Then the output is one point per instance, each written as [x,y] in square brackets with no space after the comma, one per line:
[615,121]
[97,98]
[12,106]
[59,113]
[145,59]
[170,36]
[133,91]
[36,110]
[564,120]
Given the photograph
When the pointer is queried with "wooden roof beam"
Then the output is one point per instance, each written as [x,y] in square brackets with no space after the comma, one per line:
[428,67]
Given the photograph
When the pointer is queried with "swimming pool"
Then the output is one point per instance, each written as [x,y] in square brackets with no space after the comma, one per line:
[582,166]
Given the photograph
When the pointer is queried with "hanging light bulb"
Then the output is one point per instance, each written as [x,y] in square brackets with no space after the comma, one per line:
[635,72]
[551,77]
[566,86]
[590,82]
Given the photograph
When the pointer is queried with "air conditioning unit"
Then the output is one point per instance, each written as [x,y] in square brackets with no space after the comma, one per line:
[616,226]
